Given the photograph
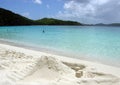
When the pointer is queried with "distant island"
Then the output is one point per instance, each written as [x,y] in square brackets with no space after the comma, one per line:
[8,18]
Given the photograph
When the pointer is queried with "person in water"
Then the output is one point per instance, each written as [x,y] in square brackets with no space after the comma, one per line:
[43,31]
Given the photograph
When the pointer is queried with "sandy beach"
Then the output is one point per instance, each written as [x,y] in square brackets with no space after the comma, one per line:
[21,66]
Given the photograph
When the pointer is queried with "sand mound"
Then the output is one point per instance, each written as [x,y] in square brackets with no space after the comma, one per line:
[50,68]
[54,64]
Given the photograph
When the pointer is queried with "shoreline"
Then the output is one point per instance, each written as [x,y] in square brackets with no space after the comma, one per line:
[30,67]
[55,52]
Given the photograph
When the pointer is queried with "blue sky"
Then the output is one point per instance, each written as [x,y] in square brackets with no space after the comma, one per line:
[32,9]
[84,11]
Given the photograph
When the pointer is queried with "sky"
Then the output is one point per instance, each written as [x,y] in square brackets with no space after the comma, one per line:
[84,11]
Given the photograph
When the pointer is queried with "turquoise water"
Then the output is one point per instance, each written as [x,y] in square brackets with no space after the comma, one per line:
[92,42]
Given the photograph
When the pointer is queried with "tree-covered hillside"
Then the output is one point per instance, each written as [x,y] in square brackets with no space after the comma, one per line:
[51,21]
[8,18]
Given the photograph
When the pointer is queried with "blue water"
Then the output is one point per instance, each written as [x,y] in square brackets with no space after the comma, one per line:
[92,42]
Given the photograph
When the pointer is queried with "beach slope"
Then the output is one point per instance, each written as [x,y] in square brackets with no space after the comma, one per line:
[20,66]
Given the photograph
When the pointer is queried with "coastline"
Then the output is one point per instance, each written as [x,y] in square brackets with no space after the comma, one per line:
[51,69]
[56,52]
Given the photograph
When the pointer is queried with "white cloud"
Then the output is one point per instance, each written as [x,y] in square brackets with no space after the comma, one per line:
[119,2]
[79,9]
[38,1]
[99,2]
[47,6]
[91,11]
[75,10]
[26,14]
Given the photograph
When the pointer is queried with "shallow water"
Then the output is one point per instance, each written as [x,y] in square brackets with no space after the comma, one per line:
[94,42]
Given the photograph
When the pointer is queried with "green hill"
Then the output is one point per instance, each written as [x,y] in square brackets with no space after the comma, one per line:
[8,18]
[114,24]
[51,21]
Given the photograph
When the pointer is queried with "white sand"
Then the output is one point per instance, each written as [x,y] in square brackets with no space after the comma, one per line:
[20,66]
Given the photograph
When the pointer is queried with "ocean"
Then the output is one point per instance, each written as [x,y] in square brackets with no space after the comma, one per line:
[97,43]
